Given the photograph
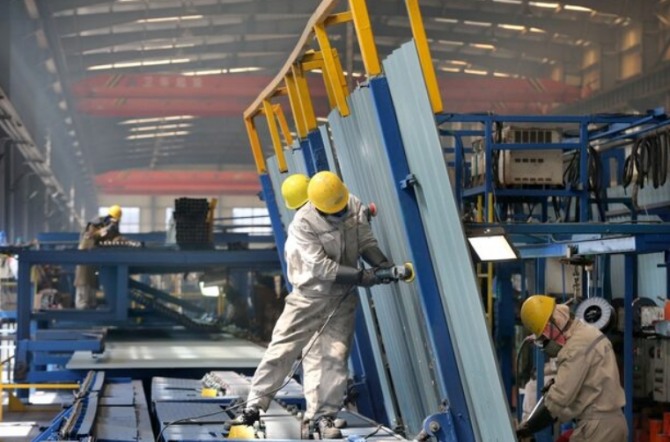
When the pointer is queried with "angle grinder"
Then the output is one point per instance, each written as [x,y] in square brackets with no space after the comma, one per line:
[403,272]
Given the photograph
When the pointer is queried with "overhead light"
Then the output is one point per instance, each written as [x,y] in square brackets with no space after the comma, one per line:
[243,69]
[577,8]
[501,74]
[322,119]
[134,64]
[158,135]
[509,2]
[483,46]
[512,27]
[160,127]
[458,62]
[491,244]
[209,290]
[447,69]
[475,72]
[168,19]
[446,20]
[476,23]
[451,42]
[538,30]
[544,5]
[158,119]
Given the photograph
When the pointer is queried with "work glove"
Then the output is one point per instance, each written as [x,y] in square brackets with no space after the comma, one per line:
[368,278]
[383,275]
[376,258]
[523,431]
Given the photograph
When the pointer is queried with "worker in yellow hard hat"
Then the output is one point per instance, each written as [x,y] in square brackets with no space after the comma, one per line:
[294,191]
[325,240]
[586,387]
[102,228]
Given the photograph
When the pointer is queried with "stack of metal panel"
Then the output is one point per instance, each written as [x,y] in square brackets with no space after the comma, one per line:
[358,146]
[449,251]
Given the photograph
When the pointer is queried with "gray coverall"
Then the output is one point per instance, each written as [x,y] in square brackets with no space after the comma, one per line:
[314,250]
[103,228]
[587,387]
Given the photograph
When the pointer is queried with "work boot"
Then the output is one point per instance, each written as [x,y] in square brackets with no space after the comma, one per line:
[249,416]
[326,428]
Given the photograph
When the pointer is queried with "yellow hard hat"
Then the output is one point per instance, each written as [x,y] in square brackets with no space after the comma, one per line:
[294,190]
[327,192]
[115,212]
[535,313]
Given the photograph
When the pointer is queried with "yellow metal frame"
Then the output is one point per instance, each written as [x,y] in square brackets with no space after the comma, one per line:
[296,108]
[419,33]
[290,79]
[274,135]
[334,75]
[252,133]
[366,41]
[283,125]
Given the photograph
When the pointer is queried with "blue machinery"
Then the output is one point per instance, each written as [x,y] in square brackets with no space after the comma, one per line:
[38,348]
[596,146]
[440,379]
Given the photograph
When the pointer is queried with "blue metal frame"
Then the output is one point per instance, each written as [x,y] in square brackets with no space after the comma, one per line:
[318,151]
[115,267]
[431,302]
[275,220]
[308,156]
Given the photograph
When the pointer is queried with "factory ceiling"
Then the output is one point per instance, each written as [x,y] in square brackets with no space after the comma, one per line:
[162,84]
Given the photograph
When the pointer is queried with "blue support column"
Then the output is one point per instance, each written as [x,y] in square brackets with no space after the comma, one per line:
[504,324]
[630,283]
[488,160]
[370,400]
[459,161]
[318,151]
[583,172]
[24,307]
[307,155]
[275,220]
[545,435]
[431,301]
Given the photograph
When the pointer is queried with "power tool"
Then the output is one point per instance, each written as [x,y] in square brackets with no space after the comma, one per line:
[403,272]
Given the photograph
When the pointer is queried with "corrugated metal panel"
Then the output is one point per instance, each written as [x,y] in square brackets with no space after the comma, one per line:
[651,279]
[358,146]
[463,308]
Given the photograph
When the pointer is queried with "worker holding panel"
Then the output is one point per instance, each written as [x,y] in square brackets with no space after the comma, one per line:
[325,240]
[104,228]
[587,386]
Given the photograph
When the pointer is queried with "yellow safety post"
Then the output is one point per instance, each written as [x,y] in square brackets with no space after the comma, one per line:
[304,98]
[343,81]
[366,42]
[294,102]
[419,33]
[256,150]
[314,61]
[283,125]
[330,67]
[274,135]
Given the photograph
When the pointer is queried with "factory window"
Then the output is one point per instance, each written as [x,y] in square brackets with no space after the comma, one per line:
[168,216]
[130,221]
[252,220]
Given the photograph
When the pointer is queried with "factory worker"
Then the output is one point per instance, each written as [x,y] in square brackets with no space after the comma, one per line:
[103,228]
[325,240]
[586,387]
[294,191]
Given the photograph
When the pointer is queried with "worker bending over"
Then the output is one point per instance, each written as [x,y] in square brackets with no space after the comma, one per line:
[103,228]
[587,386]
[325,240]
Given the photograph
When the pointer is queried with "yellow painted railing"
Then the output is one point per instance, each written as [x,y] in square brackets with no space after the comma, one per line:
[290,80]
[14,404]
